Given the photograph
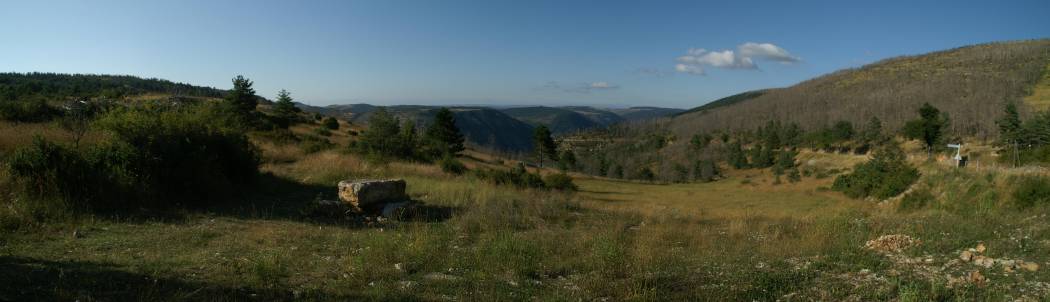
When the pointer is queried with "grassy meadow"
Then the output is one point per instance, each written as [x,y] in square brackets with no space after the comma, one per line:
[739,238]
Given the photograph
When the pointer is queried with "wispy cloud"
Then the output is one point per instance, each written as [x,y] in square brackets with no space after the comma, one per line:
[652,72]
[580,88]
[696,59]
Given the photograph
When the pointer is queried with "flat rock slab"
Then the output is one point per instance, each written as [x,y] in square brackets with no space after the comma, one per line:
[368,192]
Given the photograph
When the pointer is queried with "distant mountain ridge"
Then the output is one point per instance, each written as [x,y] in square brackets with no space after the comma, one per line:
[507,128]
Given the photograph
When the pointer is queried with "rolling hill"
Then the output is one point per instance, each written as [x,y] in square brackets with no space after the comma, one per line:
[483,127]
[55,86]
[561,120]
[970,83]
[645,113]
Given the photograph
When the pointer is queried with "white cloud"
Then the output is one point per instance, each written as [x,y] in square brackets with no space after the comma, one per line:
[743,58]
[767,51]
[690,69]
[602,85]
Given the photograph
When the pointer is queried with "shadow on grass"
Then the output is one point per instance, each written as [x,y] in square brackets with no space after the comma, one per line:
[276,197]
[27,279]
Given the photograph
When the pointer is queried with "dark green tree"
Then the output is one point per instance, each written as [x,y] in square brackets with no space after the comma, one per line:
[284,109]
[616,171]
[242,98]
[762,157]
[791,135]
[704,170]
[331,123]
[736,156]
[1010,131]
[408,140]
[567,160]
[929,128]
[700,141]
[442,136]
[383,136]
[873,131]
[645,174]
[842,131]
[543,144]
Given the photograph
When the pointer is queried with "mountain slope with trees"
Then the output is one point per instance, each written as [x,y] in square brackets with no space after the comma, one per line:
[970,83]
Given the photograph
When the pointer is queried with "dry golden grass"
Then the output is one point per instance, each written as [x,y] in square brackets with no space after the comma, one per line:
[15,135]
[728,198]
[1039,100]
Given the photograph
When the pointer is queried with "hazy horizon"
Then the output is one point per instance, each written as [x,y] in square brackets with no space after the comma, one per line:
[667,54]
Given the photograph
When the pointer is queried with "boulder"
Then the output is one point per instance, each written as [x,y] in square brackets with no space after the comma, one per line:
[368,192]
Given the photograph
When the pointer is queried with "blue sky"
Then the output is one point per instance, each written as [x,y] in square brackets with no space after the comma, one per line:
[496,52]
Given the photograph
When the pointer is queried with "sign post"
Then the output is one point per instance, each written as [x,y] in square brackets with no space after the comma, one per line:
[958,154]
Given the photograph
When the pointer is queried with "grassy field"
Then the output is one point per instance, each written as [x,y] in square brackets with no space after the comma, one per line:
[738,238]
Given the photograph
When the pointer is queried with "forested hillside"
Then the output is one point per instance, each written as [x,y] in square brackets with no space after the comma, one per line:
[970,83]
[645,113]
[963,94]
[561,120]
[51,86]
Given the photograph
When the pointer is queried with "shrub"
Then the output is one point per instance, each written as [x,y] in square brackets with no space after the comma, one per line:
[915,200]
[331,123]
[27,111]
[1032,191]
[518,177]
[322,131]
[313,144]
[450,165]
[886,175]
[156,156]
[560,181]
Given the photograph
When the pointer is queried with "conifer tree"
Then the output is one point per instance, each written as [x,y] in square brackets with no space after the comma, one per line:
[442,136]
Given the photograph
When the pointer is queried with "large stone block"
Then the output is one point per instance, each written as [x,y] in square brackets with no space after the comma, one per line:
[367,192]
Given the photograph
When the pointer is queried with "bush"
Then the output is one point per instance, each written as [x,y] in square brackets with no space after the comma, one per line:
[450,165]
[322,132]
[560,181]
[886,175]
[314,144]
[331,123]
[156,157]
[518,177]
[27,111]
[1032,191]
[915,200]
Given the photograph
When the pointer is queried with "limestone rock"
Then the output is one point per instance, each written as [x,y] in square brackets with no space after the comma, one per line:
[891,243]
[966,256]
[984,261]
[436,276]
[363,193]
[1030,266]
[976,278]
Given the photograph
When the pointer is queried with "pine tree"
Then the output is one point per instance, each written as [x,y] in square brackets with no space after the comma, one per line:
[736,156]
[382,136]
[1010,130]
[929,128]
[407,139]
[284,106]
[873,131]
[242,98]
[543,144]
[442,136]
[567,160]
